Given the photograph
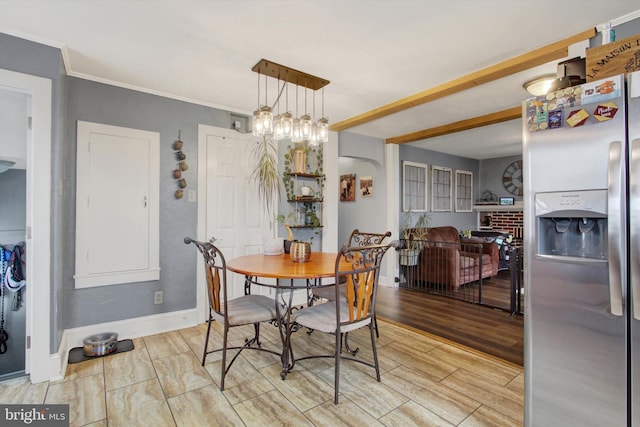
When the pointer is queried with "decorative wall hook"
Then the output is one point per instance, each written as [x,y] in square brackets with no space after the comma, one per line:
[181,167]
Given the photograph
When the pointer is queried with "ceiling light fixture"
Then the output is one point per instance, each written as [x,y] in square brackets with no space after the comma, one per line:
[303,128]
[540,85]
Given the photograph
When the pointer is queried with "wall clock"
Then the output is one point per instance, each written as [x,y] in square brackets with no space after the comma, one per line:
[512,178]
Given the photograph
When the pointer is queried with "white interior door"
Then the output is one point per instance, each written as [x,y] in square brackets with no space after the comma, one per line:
[38,233]
[232,210]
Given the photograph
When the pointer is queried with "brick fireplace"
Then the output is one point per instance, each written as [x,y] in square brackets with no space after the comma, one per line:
[502,218]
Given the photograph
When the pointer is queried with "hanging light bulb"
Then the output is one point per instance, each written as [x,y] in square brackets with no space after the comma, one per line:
[266,115]
[305,120]
[286,123]
[313,139]
[296,133]
[323,130]
[323,125]
[266,120]
[277,119]
[286,119]
[277,128]
[256,124]
[313,134]
[305,127]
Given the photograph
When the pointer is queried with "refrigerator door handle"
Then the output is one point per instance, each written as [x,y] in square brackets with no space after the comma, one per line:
[615,180]
[634,232]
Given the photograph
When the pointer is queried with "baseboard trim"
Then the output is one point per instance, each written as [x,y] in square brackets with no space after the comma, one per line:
[126,329]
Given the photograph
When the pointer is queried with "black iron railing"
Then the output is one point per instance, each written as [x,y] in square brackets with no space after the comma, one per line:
[517,282]
[462,271]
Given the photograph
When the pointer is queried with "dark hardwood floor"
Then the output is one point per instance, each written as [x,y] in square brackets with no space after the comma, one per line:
[489,330]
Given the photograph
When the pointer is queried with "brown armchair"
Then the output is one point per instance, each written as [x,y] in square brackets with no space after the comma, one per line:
[449,260]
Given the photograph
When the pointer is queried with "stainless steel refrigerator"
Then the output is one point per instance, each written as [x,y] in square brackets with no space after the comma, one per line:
[581,161]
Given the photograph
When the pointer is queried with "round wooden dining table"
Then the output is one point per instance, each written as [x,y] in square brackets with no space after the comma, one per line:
[320,265]
[259,266]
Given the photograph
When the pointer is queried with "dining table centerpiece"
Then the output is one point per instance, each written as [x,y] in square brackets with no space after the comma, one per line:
[300,251]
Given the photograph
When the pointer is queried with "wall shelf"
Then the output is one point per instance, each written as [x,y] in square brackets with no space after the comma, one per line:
[304,175]
[305,199]
[518,206]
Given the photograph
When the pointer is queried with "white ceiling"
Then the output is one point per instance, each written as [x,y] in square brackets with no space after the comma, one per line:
[373,52]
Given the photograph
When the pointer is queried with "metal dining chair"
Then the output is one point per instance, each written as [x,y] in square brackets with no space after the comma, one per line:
[359,267]
[244,310]
[357,238]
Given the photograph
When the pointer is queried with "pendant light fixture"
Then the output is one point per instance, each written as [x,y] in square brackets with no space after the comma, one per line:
[296,135]
[262,117]
[323,125]
[298,129]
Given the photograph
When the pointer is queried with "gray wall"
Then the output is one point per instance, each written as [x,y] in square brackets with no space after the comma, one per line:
[460,220]
[27,57]
[363,156]
[76,99]
[288,210]
[490,179]
[101,103]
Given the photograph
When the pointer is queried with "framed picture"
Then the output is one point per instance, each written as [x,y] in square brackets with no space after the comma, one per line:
[464,191]
[414,187]
[366,186]
[506,201]
[348,187]
[441,187]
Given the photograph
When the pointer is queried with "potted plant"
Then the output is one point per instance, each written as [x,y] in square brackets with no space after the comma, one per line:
[311,217]
[285,222]
[266,176]
[265,173]
[414,232]
[299,250]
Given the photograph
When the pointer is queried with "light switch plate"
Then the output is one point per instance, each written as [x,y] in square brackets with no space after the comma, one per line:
[191,196]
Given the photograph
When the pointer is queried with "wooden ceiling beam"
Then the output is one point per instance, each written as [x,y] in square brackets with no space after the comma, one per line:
[472,123]
[505,68]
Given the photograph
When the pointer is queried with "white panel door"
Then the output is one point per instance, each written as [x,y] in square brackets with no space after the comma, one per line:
[117,205]
[119,176]
[234,215]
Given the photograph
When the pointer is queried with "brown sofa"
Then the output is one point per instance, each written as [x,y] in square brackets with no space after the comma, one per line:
[449,260]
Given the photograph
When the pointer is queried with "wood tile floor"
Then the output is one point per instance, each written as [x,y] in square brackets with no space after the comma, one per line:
[426,381]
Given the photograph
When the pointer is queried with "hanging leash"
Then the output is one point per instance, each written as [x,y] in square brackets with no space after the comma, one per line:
[4,336]
[13,277]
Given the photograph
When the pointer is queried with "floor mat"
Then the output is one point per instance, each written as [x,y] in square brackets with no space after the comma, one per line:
[76,354]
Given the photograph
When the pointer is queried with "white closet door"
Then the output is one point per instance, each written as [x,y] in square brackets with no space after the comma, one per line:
[117,205]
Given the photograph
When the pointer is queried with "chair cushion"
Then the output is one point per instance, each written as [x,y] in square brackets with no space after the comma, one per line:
[249,309]
[322,317]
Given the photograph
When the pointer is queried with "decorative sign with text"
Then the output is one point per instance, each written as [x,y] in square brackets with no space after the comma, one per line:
[622,56]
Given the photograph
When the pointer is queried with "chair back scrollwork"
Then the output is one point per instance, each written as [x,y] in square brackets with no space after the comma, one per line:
[215,270]
[360,266]
[361,238]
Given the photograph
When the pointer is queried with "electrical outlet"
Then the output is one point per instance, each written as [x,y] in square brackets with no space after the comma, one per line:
[157,297]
